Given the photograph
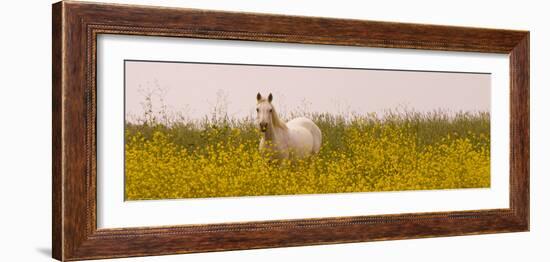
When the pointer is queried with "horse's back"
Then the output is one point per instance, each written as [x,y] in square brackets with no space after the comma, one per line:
[311,127]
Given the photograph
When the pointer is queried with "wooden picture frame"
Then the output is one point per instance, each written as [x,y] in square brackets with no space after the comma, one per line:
[75,28]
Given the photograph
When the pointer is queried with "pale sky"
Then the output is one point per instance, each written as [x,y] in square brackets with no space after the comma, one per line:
[193,89]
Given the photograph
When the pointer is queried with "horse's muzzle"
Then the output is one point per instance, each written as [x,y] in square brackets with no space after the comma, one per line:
[263,127]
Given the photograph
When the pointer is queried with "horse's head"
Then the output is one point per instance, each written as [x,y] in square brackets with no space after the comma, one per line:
[264,108]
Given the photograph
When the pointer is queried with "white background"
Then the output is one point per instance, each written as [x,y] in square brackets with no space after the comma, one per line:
[114,212]
[25,136]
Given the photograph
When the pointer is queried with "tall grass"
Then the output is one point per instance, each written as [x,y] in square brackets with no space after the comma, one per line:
[217,157]
[168,155]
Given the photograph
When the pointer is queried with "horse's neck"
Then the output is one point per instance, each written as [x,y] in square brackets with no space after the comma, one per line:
[277,122]
[275,134]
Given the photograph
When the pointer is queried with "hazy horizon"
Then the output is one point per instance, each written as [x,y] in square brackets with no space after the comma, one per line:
[195,90]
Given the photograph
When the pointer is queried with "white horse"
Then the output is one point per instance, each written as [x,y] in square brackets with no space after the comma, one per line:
[298,138]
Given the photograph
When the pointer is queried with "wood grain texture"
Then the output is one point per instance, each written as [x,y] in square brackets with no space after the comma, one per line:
[76,26]
[519,129]
[57,216]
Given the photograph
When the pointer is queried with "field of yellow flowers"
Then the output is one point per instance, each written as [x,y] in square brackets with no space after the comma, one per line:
[410,151]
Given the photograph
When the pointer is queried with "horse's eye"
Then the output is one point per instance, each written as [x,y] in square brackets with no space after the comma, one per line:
[258,110]
[270,110]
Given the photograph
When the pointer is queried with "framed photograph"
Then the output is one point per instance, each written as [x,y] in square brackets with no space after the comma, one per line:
[182,130]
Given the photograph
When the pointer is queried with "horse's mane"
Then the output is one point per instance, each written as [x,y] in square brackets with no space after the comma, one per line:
[275,117]
[277,121]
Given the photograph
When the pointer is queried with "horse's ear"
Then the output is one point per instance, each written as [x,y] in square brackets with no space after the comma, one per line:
[270,98]
[259,96]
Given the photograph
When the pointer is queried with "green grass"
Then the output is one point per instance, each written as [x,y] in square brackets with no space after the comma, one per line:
[217,158]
